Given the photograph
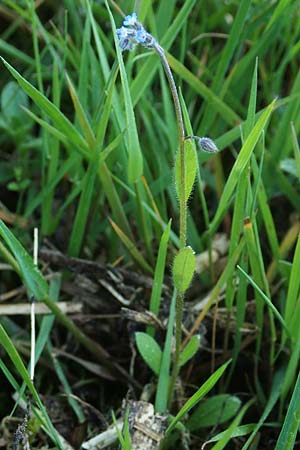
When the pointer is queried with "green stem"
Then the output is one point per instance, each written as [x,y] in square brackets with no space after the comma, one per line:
[178,339]
[182,211]
[181,137]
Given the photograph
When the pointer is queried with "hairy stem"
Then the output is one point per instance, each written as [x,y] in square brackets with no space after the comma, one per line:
[182,207]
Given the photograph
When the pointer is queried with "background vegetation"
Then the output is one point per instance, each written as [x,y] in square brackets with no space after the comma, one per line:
[69,167]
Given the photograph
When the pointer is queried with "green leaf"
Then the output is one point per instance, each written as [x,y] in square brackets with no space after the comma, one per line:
[149,350]
[232,427]
[189,350]
[241,430]
[203,390]
[217,409]
[183,269]
[12,98]
[190,169]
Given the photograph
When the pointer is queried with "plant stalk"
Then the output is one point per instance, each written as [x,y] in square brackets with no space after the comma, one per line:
[182,211]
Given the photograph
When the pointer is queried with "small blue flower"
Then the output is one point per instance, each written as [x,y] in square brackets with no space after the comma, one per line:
[141,36]
[130,20]
[122,33]
[132,33]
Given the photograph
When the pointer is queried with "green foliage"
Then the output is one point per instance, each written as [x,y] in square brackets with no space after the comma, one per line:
[190,167]
[183,269]
[189,350]
[216,409]
[89,154]
[149,350]
[193,401]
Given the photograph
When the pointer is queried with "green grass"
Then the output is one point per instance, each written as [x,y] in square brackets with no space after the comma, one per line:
[89,155]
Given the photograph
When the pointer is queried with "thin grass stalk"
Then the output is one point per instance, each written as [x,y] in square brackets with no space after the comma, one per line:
[32,306]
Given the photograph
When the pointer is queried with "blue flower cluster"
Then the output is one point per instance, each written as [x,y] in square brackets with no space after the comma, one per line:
[132,33]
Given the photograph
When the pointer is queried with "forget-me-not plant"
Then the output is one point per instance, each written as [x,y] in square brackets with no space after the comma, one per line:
[130,35]
[133,33]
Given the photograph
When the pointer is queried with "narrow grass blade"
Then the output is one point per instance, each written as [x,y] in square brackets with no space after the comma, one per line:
[66,386]
[273,398]
[291,423]
[296,149]
[143,220]
[239,165]
[267,301]
[226,436]
[227,272]
[15,53]
[239,212]
[113,198]
[83,209]
[18,363]
[82,118]
[159,276]
[294,285]
[189,350]
[291,371]
[162,391]
[203,390]
[32,276]
[131,247]
[38,287]
[135,158]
